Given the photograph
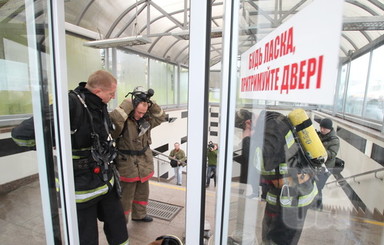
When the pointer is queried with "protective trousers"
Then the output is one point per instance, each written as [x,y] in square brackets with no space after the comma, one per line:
[108,210]
[283,227]
[135,199]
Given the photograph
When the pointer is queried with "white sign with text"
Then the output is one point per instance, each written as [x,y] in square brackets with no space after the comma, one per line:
[297,62]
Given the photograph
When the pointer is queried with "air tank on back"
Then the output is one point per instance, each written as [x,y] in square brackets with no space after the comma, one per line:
[308,137]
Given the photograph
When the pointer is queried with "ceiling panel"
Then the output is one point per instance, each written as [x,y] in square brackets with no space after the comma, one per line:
[168,30]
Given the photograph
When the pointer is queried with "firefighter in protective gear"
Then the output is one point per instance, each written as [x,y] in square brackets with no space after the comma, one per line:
[331,142]
[93,153]
[292,188]
[134,120]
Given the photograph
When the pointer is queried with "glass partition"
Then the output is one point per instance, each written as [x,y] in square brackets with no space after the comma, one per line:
[374,108]
[162,81]
[15,95]
[131,71]
[183,85]
[279,192]
[342,86]
[28,194]
[80,56]
[356,85]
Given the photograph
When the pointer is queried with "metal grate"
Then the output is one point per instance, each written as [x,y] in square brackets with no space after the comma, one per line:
[162,210]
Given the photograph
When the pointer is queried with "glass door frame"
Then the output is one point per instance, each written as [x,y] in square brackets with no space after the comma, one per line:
[56,63]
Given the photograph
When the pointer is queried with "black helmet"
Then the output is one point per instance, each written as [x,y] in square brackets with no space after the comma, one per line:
[169,240]
[326,123]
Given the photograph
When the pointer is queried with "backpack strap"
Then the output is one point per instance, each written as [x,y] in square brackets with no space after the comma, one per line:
[75,122]
[102,152]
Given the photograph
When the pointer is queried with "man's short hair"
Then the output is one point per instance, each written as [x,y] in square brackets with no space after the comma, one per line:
[100,79]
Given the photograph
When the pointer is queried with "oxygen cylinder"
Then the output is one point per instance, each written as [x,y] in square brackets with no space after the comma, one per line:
[308,137]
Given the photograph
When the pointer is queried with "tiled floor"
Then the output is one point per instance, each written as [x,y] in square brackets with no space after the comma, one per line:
[21,220]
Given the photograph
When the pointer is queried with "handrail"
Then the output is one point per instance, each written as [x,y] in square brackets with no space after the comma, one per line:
[358,175]
[163,160]
[160,153]
[352,176]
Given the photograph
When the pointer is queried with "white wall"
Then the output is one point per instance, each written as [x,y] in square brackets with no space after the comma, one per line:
[169,133]
[17,166]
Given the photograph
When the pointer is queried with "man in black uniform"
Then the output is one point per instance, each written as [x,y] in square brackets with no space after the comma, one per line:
[93,152]
[292,188]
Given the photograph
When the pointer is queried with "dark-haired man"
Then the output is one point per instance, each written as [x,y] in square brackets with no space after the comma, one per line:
[331,143]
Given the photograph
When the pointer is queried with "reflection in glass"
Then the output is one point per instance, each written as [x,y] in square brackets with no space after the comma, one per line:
[248,202]
[15,95]
[25,67]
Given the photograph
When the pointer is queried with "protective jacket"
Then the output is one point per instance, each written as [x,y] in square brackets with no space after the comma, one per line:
[332,144]
[92,179]
[135,160]
[91,144]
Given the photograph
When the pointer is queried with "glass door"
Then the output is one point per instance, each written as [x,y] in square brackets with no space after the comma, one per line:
[280,61]
[33,201]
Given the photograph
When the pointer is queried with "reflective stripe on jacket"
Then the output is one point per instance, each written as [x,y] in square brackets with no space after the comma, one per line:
[285,188]
[285,200]
[84,196]
[25,143]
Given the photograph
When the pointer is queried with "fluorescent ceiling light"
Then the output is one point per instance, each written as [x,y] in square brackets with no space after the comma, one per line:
[118,42]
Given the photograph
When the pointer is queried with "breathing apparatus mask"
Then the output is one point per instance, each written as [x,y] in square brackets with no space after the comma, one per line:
[140,95]
[103,151]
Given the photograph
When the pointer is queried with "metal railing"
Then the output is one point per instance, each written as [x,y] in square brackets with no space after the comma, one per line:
[161,161]
[358,175]
[346,178]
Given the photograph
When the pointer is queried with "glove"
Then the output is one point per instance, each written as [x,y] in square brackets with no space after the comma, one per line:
[127,106]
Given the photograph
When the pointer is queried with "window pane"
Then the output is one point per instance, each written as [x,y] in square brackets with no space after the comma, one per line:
[214,86]
[76,52]
[340,97]
[132,71]
[15,95]
[375,96]
[171,81]
[183,86]
[161,78]
[356,85]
